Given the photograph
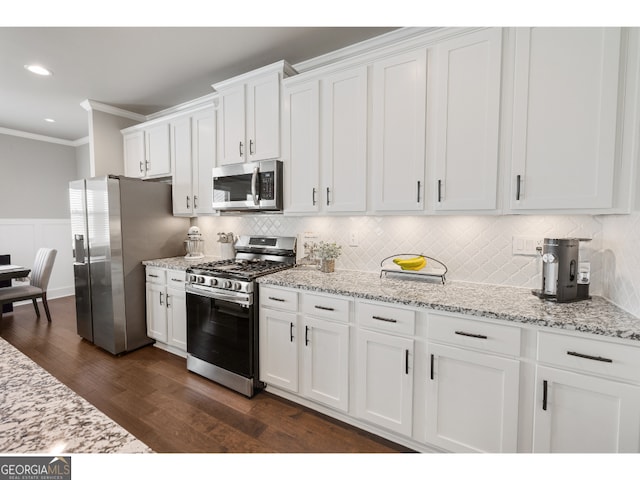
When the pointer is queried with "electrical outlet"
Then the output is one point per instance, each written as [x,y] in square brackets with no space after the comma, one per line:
[353,239]
[524,245]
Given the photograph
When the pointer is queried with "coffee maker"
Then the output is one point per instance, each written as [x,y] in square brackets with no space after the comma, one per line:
[560,271]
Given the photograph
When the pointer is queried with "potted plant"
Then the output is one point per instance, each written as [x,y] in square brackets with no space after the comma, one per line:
[327,253]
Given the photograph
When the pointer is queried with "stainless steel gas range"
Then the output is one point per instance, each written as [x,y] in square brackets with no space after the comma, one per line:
[222,312]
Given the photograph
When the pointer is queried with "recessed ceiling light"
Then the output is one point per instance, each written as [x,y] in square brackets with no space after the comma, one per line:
[50,120]
[39,70]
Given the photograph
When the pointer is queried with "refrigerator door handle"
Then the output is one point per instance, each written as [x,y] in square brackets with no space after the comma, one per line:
[79,250]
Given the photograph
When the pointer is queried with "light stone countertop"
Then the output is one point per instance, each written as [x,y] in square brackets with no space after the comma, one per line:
[597,315]
[178,263]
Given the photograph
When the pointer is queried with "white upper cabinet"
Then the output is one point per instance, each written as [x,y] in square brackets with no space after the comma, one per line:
[232,126]
[344,140]
[182,192]
[464,136]
[301,146]
[398,132]
[249,115]
[193,139]
[325,142]
[134,164]
[565,110]
[147,150]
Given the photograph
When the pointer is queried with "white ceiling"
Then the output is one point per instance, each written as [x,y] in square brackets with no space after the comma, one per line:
[140,69]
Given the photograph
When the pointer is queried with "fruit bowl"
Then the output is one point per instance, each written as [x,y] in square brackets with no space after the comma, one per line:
[414,265]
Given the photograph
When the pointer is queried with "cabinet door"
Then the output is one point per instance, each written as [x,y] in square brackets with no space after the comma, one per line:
[465,131]
[204,157]
[177,318]
[231,135]
[564,117]
[301,146]
[158,149]
[156,312]
[134,155]
[263,118]
[385,380]
[472,401]
[398,132]
[324,374]
[278,349]
[181,159]
[577,413]
[344,141]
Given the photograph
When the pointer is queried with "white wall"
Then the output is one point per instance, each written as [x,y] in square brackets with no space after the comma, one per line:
[34,204]
[622,261]
[34,176]
[106,146]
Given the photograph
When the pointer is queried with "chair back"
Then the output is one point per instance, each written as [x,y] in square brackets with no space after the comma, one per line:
[42,267]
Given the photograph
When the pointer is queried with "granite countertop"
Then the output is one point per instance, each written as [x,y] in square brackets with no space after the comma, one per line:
[178,263]
[597,315]
[39,414]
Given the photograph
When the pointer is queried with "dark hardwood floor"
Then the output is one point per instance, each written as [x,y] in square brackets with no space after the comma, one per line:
[152,395]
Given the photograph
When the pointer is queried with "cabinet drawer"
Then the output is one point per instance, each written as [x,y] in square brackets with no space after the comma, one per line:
[279,299]
[590,355]
[474,334]
[333,308]
[387,318]
[176,278]
[155,275]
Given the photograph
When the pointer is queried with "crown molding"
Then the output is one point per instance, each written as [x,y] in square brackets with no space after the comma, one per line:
[200,102]
[364,47]
[42,138]
[90,105]
[281,66]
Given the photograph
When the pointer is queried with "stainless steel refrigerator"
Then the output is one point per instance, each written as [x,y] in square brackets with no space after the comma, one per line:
[116,223]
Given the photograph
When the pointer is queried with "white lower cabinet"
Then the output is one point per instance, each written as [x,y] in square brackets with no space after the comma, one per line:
[278,348]
[435,380]
[592,409]
[324,372]
[472,400]
[167,309]
[578,413]
[302,353]
[384,380]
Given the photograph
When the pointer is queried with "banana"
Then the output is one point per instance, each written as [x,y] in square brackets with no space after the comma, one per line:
[414,263]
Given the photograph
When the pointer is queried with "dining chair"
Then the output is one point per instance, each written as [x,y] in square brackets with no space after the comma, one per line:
[37,288]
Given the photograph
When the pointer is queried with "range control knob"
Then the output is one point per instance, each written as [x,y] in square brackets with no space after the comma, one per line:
[237,286]
[214,282]
[200,280]
[226,284]
[192,278]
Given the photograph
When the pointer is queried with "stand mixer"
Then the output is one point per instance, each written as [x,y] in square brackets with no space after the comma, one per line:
[194,244]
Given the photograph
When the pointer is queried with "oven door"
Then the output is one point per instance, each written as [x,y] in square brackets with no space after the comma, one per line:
[221,332]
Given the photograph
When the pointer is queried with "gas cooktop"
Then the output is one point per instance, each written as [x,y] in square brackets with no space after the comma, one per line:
[242,269]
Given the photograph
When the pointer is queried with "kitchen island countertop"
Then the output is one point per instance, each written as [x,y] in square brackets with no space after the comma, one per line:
[597,315]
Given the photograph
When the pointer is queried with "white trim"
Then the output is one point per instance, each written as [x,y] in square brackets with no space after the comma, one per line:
[89,105]
[366,46]
[80,141]
[35,136]
[281,66]
[204,101]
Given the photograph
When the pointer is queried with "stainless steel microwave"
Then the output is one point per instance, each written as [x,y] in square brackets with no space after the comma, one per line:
[252,186]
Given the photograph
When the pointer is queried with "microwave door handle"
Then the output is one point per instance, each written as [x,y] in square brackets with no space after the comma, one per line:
[254,186]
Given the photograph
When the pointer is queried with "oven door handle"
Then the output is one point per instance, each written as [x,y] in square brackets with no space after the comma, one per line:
[254,185]
[234,298]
